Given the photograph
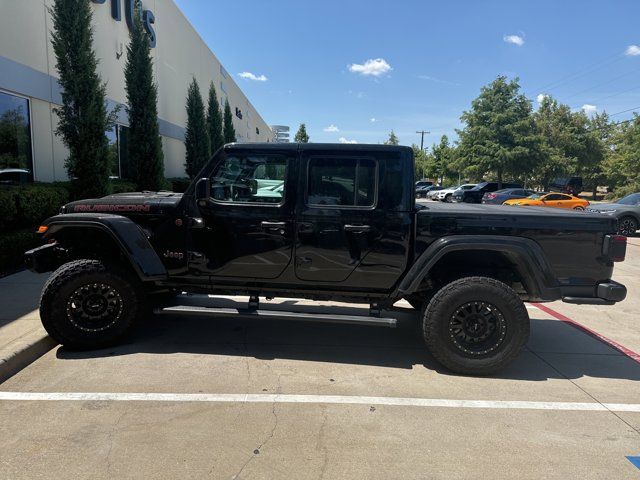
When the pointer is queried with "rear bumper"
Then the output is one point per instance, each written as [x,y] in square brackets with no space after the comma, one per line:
[606,293]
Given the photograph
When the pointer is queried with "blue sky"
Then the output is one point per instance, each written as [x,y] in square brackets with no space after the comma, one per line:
[427,59]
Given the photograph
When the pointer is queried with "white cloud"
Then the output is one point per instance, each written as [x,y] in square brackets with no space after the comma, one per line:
[632,50]
[331,128]
[252,76]
[514,39]
[589,109]
[344,140]
[541,97]
[374,67]
[372,120]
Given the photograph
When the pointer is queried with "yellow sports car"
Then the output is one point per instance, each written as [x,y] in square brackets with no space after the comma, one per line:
[555,200]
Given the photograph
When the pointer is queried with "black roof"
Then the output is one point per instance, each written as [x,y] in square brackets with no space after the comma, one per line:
[353,147]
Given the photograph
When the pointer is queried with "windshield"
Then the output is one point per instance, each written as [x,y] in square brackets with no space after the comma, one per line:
[633,199]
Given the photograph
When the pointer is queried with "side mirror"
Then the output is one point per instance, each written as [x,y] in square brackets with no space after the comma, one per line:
[203,190]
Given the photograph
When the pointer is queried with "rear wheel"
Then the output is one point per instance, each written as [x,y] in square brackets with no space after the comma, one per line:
[475,325]
[447,198]
[627,226]
[579,207]
[86,304]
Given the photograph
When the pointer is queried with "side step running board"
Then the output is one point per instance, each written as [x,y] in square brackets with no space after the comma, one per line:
[307,317]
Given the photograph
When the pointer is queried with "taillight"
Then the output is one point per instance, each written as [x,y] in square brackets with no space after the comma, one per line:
[491,196]
[615,247]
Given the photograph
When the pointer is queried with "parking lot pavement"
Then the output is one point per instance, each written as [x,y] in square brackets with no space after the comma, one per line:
[247,398]
[286,437]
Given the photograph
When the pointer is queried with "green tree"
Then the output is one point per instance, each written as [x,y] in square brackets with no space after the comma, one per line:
[196,138]
[393,139]
[301,134]
[571,144]
[622,166]
[214,120]
[420,161]
[499,137]
[228,131]
[144,145]
[442,157]
[83,117]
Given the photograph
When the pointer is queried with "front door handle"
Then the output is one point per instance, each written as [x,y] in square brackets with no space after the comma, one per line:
[357,228]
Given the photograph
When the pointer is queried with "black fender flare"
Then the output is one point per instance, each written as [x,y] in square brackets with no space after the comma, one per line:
[529,258]
[129,237]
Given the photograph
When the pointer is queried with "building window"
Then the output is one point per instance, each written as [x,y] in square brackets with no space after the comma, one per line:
[223,88]
[15,134]
[119,165]
[223,72]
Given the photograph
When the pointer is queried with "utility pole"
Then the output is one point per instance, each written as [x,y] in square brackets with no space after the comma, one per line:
[422,133]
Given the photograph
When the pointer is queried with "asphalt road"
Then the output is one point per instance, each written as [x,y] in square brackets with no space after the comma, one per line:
[266,399]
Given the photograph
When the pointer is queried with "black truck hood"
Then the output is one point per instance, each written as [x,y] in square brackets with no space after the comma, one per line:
[134,203]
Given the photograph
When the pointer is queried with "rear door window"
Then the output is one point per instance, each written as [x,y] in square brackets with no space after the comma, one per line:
[341,182]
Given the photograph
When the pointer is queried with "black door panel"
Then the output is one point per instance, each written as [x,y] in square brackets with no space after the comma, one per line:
[344,234]
[249,219]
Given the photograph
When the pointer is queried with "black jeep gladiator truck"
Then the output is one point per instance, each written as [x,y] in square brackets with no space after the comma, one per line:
[322,221]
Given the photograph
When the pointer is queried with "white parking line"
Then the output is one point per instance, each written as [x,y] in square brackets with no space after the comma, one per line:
[319,399]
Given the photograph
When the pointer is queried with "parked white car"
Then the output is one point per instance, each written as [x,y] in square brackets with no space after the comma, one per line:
[445,195]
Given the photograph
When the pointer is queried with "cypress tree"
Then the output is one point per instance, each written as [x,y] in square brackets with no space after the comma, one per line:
[214,120]
[145,144]
[196,138]
[301,134]
[83,117]
[229,131]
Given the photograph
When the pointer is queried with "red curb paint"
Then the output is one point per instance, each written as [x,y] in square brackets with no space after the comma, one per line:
[607,341]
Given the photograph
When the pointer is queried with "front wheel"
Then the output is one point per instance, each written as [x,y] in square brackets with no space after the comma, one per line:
[447,198]
[86,304]
[627,226]
[475,326]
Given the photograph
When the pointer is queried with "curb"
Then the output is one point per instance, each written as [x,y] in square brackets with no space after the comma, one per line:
[27,352]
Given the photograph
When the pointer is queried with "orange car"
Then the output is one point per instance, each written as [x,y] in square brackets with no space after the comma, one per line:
[555,200]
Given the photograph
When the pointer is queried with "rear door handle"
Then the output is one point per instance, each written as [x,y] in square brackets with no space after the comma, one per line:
[357,228]
[272,225]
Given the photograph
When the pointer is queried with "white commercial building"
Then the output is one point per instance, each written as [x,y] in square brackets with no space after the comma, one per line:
[29,90]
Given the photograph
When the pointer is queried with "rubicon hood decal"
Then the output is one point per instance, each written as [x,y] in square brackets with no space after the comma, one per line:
[103,208]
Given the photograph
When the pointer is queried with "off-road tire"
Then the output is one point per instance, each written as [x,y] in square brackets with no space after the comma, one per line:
[56,304]
[627,226]
[511,336]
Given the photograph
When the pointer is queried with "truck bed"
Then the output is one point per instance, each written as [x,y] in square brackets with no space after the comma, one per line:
[568,238]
